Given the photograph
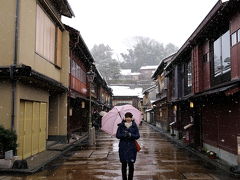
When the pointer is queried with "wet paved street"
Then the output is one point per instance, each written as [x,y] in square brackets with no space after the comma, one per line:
[158,159]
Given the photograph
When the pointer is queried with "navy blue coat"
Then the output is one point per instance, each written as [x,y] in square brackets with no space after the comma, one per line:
[127,147]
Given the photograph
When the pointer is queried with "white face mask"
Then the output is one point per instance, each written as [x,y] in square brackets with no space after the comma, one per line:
[128,124]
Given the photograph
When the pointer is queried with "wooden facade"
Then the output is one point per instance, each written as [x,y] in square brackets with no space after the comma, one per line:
[161,109]
[204,83]
[235,51]
[78,88]
[122,100]
[81,61]
[33,79]
[221,122]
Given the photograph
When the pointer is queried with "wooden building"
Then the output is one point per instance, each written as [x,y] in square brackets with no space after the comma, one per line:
[125,95]
[34,63]
[204,84]
[81,61]
[161,112]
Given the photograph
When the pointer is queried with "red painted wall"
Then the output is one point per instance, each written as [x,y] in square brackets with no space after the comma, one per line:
[197,69]
[220,122]
[206,66]
[235,50]
[201,68]
[78,86]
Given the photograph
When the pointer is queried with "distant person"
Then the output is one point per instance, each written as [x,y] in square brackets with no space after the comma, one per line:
[96,119]
[127,132]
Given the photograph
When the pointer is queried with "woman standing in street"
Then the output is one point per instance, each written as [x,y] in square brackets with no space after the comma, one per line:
[127,132]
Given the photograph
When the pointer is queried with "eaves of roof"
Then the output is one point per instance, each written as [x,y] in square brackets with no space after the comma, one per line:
[161,66]
[187,45]
[66,9]
[79,43]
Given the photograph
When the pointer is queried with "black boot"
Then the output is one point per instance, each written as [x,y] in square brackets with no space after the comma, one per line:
[124,171]
[131,170]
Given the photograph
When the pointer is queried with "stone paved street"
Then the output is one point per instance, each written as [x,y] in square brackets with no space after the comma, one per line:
[158,159]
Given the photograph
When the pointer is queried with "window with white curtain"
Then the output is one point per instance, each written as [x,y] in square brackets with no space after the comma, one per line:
[222,62]
[234,38]
[239,35]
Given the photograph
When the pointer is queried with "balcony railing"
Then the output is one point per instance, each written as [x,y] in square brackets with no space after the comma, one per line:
[162,94]
[77,85]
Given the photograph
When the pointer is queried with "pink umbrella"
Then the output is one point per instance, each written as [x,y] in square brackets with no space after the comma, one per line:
[111,120]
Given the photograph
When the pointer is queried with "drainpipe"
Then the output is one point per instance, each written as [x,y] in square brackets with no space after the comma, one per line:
[12,68]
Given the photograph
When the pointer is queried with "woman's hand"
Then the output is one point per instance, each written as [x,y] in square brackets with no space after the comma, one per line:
[127,134]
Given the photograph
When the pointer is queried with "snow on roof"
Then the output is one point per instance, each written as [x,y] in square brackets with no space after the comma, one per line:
[149,89]
[128,72]
[125,71]
[126,91]
[149,67]
[135,73]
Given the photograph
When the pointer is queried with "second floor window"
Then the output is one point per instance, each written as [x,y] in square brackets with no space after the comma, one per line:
[78,72]
[238,35]
[222,55]
[189,74]
[186,78]
[161,83]
[45,36]
[235,37]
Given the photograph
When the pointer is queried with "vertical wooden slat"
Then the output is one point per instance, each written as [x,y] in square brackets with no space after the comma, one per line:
[42,127]
[20,130]
[37,29]
[46,37]
[58,59]
[52,42]
[41,31]
[35,127]
[27,148]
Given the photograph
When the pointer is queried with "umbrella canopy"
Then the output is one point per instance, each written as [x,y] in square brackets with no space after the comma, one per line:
[111,120]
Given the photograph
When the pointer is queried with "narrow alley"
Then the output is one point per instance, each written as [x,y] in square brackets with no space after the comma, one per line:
[158,159]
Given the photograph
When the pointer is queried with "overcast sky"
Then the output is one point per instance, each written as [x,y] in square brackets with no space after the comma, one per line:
[116,22]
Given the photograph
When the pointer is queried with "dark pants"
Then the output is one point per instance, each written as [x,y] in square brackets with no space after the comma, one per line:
[124,171]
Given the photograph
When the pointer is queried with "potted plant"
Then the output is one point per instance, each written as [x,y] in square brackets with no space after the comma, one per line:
[211,154]
[8,141]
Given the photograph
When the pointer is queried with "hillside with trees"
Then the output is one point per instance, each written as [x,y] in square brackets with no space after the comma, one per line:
[145,52]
